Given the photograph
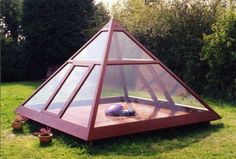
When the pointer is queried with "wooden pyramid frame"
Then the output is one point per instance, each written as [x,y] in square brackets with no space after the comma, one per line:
[91,131]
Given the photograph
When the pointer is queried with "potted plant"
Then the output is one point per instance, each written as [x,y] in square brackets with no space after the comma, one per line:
[45,135]
[18,123]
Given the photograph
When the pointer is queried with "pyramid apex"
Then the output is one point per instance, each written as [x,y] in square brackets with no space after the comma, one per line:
[114,24]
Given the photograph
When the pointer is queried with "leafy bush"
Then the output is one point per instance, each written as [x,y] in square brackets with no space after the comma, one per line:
[38,34]
[53,31]
[13,61]
[173,31]
[219,52]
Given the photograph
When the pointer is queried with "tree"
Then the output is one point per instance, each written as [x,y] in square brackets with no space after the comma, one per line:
[53,31]
[13,59]
[99,19]
[10,17]
[219,52]
[173,31]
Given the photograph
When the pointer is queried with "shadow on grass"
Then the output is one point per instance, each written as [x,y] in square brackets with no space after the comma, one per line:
[141,144]
[23,131]
[45,145]
[149,143]
[18,132]
[34,127]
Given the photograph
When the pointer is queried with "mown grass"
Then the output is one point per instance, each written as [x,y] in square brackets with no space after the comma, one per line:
[217,140]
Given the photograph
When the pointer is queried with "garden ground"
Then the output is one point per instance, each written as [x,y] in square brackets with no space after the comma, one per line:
[217,140]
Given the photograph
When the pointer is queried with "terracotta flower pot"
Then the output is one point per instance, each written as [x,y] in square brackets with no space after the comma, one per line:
[45,139]
[17,125]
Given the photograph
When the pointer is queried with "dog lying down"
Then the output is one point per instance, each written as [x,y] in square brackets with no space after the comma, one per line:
[118,110]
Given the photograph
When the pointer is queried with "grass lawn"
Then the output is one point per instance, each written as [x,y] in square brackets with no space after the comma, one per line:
[217,140]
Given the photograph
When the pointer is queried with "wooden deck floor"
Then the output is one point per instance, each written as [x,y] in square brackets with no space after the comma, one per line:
[80,115]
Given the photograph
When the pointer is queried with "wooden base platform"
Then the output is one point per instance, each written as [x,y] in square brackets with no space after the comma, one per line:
[80,114]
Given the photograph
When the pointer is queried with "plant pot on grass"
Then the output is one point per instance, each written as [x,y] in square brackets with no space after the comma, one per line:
[18,123]
[45,135]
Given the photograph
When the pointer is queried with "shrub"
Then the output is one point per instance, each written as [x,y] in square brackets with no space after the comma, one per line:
[13,61]
[219,52]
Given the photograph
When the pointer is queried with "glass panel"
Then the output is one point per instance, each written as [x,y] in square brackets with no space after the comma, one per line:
[41,97]
[119,78]
[80,108]
[123,48]
[67,89]
[113,86]
[154,81]
[179,94]
[95,50]
[146,83]
[148,90]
